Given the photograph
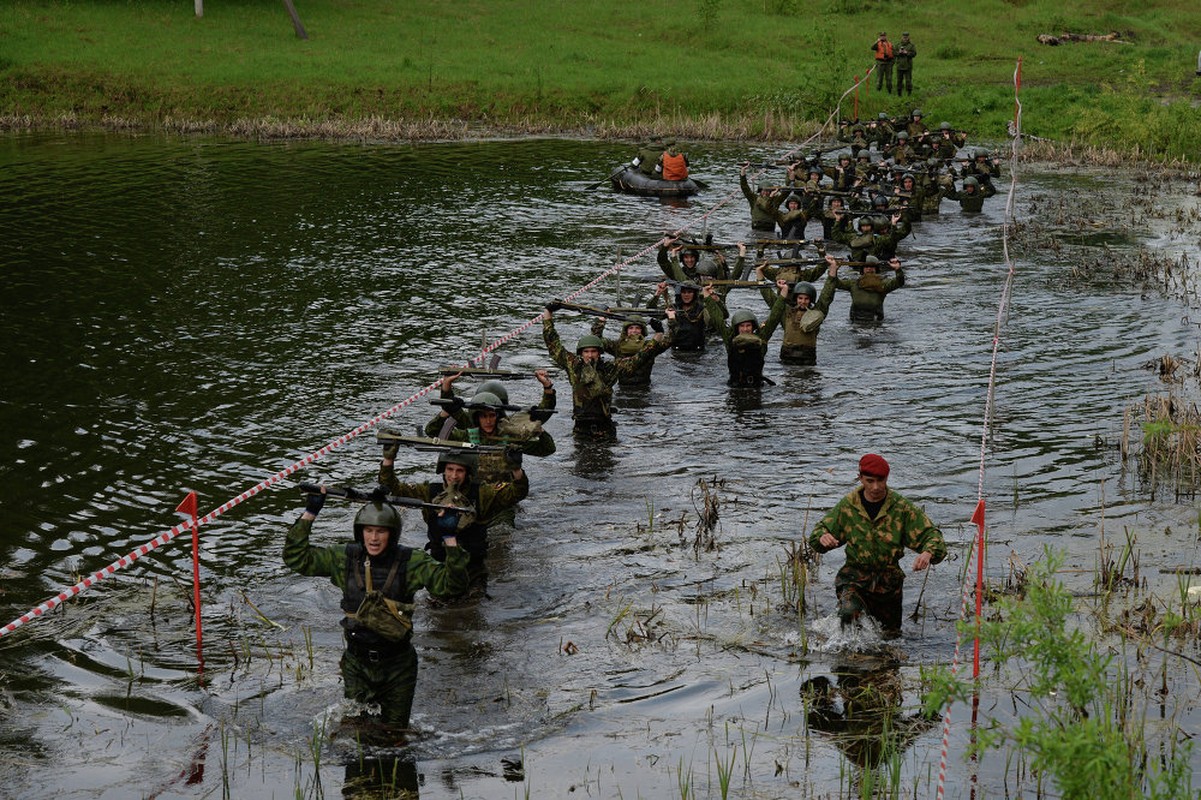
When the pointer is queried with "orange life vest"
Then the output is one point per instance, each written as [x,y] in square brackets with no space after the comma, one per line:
[675,167]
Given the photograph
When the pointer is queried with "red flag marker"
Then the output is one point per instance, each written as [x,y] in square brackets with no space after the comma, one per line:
[188,507]
[978,521]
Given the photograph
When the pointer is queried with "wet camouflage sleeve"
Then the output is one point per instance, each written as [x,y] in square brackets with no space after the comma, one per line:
[423,572]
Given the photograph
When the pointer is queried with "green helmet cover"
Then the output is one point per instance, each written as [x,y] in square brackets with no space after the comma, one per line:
[588,340]
[468,460]
[743,315]
[381,514]
[495,387]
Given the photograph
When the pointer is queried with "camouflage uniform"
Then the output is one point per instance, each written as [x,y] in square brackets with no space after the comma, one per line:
[871,579]
[745,351]
[971,201]
[489,500]
[592,386]
[516,431]
[763,207]
[375,669]
[688,329]
[800,346]
[903,55]
[881,245]
[867,294]
[625,346]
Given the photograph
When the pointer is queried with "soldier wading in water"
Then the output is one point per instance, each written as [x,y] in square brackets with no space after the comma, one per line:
[877,525]
[592,377]
[379,664]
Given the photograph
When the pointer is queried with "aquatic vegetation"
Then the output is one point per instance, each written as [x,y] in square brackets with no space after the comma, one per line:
[1079,698]
[1168,451]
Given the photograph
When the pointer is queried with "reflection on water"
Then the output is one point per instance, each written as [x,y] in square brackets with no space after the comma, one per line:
[196,315]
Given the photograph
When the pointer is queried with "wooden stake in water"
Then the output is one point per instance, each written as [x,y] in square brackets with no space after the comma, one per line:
[188,507]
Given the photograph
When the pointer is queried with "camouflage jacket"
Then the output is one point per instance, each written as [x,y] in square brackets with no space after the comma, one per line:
[592,387]
[875,547]
[494,497]
[624,346]
[794,335]
[423,572]
[868,290]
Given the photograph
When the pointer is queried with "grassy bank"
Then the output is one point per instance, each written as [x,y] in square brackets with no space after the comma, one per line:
[700,68]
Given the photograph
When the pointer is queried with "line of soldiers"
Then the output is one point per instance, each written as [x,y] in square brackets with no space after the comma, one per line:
[484,439]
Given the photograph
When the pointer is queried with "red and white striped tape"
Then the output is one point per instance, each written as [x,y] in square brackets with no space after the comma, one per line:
[158,541]
[161,539]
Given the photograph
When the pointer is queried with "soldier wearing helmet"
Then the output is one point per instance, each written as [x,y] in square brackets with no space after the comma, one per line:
[763,203]
[804,313]
[485,419]
[745,340]
[915,127]
[869,289]
[379,665]
[971,196]
[592,378]
[688,322]
[856,137]
[902,151]
[634,338]
[984,168]
[793,217]
[877,236]
[460,486]
[877,526]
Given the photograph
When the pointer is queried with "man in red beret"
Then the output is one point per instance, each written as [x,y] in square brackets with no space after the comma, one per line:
[876,525]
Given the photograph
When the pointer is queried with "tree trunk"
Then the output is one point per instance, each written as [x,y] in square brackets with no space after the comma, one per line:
[300,32]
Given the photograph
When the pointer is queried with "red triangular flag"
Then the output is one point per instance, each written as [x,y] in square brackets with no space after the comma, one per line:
[978,514]
[188,506]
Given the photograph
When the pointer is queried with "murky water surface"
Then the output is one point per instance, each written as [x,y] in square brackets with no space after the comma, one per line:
[196,315]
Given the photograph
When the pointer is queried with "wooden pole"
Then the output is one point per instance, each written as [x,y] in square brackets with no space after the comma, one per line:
[296,23]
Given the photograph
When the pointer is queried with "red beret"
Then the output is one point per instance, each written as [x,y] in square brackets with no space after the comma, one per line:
[874,465]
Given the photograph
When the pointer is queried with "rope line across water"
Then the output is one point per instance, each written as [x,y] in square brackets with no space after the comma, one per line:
[986,424]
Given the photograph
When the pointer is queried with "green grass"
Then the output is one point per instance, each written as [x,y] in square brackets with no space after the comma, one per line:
[725,67]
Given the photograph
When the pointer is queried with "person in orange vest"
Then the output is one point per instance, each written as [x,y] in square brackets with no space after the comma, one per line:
[675,164]
[884,57]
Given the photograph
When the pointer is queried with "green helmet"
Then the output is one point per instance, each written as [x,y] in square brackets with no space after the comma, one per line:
[382,514]
[742,315]
[588,340]
[944,126]
[806,289]
[485,401]
[635,320]
[470,461]
[495,387]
